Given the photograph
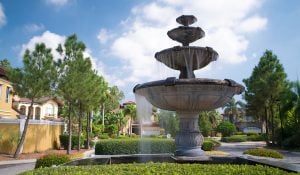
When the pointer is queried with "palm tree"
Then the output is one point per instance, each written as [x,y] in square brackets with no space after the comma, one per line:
[130,110]
[233,109]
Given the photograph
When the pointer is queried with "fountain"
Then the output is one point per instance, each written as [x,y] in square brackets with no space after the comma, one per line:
[188,95]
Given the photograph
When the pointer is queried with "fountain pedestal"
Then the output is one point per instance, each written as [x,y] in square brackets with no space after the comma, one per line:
[189,138]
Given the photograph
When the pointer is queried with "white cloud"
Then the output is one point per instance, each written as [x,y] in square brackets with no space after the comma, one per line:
[104,36]
[253,24]
[58,3]
[52,40]
[34,27]
[226,23]
[2,16]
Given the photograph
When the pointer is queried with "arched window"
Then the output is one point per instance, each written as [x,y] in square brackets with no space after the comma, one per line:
[50,110]
[37,113]
[23,110]
[30,112]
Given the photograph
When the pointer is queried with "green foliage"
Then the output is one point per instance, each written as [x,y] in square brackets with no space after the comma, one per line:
[134,146]
[235,138]
[265,87]
[169,121]
[208,145]
[293,141]
[252,134]
[226,128]
[64,141]
[239,133]
[204,125]
[104,136]
[264,153]
[51,159]
[256,138]
[160,169]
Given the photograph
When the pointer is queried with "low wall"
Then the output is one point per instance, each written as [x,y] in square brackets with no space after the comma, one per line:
[41,135]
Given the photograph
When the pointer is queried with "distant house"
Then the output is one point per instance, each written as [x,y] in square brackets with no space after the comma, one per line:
[45,108]
[6,108]
[144,126]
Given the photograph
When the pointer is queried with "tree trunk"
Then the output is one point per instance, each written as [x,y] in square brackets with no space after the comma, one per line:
[21,141]
[130,126]
[88,128]
[69,130]
[267,126]
[80,127]
[272,123]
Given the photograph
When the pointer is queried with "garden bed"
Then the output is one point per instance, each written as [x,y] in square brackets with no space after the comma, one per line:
[160,168]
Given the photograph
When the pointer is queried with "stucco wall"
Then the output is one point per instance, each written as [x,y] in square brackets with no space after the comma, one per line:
[9,134]
[6,110]
[41,135]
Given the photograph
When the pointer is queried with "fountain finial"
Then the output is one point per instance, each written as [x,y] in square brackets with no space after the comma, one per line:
[186,20]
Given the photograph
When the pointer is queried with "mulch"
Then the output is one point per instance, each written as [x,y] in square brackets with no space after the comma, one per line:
[6,157]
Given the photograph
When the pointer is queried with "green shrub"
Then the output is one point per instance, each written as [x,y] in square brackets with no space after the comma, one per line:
[208,145]
[255,138]
[252,134]
[215,142]
[134,146]
[226,128]
[104,136]
[160,168]
[64,141]
[292,142]
[51,159]
[239,133]
[264,153]
[234,138]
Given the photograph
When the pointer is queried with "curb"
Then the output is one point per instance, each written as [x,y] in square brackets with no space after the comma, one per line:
[12,162]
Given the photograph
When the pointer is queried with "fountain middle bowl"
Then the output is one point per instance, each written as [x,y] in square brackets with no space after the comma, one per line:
[197,94]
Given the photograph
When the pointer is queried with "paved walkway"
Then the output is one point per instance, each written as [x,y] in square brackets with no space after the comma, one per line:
[13,167]
[237,149]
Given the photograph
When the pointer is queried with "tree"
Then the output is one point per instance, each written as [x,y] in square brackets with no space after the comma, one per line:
[35,80]
[169,121]
[69,86]
[5,63]
[264,87]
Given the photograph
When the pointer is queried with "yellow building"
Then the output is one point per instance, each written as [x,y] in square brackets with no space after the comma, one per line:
[6,109]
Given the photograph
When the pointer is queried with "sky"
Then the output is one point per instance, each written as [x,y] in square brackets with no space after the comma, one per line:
[122,36]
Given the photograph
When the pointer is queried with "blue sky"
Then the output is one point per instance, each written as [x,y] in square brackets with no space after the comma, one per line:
[122,36]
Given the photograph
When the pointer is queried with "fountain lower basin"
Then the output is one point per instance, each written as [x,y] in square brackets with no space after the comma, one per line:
[188,97]
[189,94]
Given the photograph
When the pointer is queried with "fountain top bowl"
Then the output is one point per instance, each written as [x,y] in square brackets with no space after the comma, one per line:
[186,20]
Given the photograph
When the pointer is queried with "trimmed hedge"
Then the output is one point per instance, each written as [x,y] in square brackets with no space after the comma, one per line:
[51,159]
[264,153]
[64,141]
[134,146]
[160,169]
[234,138]
[208,145]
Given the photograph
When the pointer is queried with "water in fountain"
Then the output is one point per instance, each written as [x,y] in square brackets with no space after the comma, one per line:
[144,113]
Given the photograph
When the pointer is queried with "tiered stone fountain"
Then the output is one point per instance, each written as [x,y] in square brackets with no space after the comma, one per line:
[188,95]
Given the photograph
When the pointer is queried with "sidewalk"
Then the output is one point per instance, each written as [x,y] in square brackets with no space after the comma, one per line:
[237,149]
[12,167]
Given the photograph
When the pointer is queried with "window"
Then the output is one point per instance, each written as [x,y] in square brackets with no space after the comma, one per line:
[37,113]
[7,94]
[50,110]
[23,110]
